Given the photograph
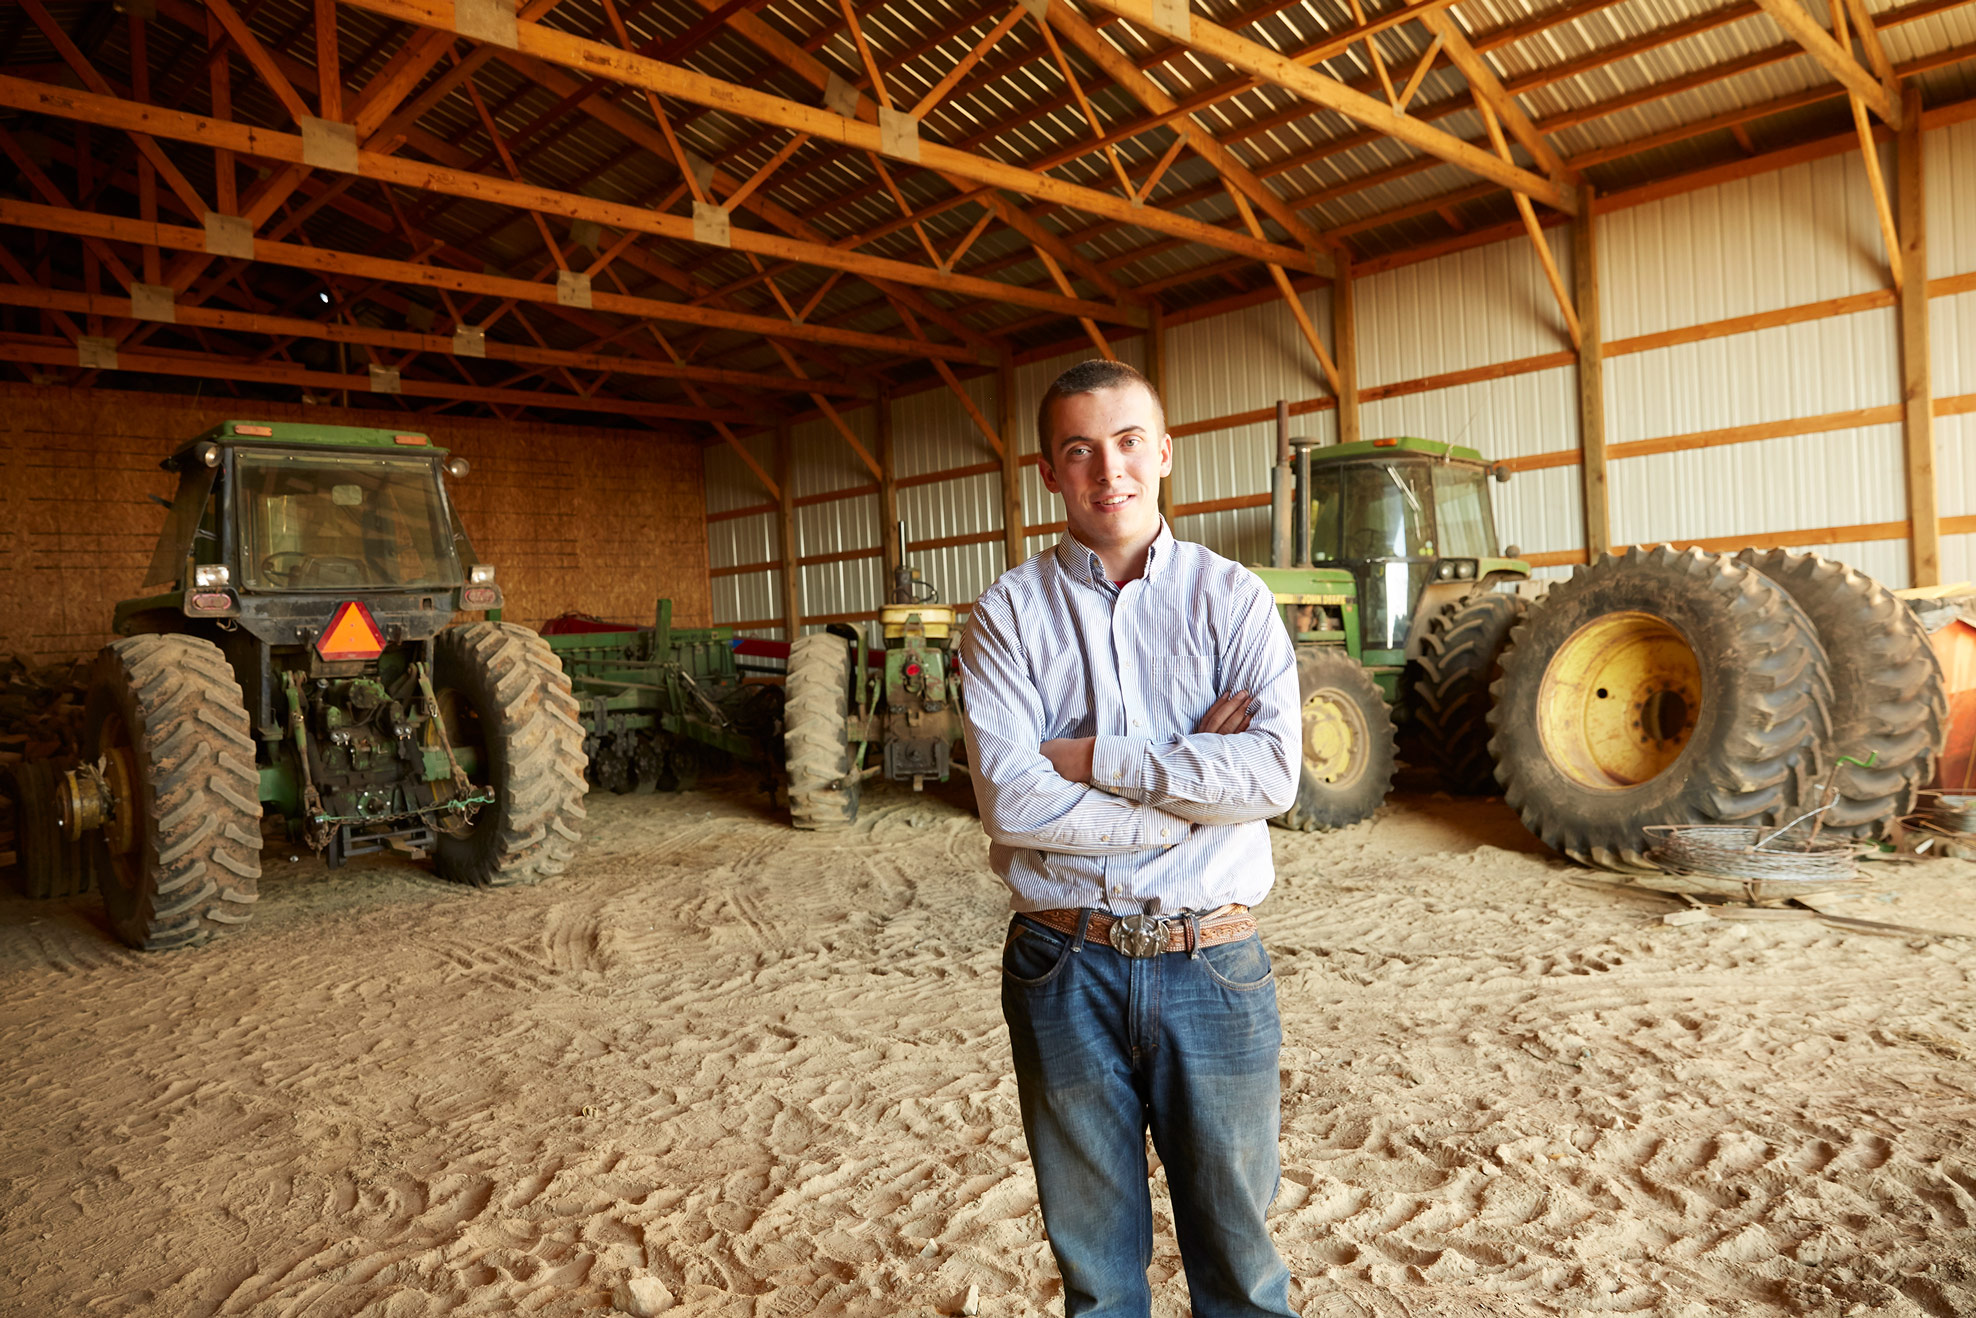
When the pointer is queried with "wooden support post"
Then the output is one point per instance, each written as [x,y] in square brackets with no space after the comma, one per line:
[1014,542]
[1591,381]
[1156,372]
[792,610]
[1344,345]
[888,494]
[1917,382]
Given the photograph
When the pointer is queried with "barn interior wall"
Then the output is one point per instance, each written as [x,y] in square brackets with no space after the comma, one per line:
[596,521]
[1757,246]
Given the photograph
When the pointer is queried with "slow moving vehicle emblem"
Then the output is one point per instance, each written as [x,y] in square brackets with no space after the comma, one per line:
[351,634]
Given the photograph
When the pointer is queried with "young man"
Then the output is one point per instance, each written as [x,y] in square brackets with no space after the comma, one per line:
[1132,716]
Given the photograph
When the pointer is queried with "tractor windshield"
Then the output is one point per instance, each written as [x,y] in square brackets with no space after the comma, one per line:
[330,522]
[1461,506]
[1387,511]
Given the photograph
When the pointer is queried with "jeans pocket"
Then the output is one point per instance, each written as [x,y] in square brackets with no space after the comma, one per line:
[1243,967]
[1031,957]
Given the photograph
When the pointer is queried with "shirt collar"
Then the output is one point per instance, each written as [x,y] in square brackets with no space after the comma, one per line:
[1083,563]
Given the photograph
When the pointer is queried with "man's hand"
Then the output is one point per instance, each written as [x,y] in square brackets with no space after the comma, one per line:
[1228,715]
[1070,757]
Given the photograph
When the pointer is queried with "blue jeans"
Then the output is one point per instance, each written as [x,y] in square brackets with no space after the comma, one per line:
[1107,1047]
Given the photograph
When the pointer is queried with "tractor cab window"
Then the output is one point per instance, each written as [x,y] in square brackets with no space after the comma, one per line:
[1461,506]
[1388,511]
[324,522]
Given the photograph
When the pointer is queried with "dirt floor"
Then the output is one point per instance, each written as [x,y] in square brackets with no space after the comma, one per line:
[768,1070]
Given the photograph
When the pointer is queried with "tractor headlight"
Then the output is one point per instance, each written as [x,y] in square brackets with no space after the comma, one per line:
[207,575]
[1445,572]
[209,453]
[457,468]
[1464,570]
[480,573]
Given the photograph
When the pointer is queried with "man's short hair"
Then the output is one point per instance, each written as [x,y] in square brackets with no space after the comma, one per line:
[1088,378]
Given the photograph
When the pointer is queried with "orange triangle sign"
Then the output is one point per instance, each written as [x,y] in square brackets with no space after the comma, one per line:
[351,634]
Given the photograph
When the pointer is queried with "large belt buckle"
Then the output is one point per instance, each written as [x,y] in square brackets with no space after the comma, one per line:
[1139,936]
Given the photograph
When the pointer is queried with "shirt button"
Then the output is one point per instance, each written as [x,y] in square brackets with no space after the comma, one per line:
[1162,832]
[1104,837]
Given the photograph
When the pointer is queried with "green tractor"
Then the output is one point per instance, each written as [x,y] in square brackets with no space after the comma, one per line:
[301,658]
[1390,579]
[843,697]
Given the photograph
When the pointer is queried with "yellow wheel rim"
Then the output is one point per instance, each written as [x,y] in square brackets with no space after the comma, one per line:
[1334,737]
[1619,701]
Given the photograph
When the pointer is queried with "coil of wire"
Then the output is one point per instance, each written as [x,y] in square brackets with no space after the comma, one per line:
[1732,852]
[1954,814]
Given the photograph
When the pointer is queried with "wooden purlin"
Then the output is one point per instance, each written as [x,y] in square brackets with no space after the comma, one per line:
[29,215]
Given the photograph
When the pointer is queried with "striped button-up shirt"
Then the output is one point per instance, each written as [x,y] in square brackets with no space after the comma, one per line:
[1175,819]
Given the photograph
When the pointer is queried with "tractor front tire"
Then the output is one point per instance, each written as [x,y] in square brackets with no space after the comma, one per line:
[1661,687]
[823,783]
[503,693]
[1346,742]
[181,859]
[1460,659]
[1889,703]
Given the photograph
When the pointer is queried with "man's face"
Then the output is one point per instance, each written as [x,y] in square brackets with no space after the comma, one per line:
[1105,455]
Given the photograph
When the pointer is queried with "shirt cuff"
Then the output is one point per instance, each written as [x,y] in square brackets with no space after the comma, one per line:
[1118,766]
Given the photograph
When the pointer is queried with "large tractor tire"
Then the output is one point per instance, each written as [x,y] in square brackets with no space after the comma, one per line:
[1661,687]
[180,858]
[823,783]
[504,696]
[1347,742]
[1460,659]
[1889,703]
[46,862]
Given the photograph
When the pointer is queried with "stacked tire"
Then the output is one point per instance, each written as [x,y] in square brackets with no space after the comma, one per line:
[823,788]
[1677,687]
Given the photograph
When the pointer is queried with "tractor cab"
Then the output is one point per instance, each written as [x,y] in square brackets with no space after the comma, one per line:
[1411,520]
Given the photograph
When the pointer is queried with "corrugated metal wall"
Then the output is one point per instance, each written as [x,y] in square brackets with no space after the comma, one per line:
[1778,240]
[1950,184]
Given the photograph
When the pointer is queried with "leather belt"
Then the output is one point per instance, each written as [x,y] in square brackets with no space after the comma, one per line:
[1150,935]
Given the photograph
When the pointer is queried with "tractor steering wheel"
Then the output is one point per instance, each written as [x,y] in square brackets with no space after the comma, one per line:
[283,576]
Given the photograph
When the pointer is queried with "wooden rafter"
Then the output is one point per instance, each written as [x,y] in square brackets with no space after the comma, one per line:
[596,59]
[1536,232]
[1488,88]
[1290,298]
[1834,57]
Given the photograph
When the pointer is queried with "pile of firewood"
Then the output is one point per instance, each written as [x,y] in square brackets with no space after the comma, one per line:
[41,710]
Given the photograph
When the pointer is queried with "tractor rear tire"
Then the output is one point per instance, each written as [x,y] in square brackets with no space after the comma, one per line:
[503,693]
[1889,702]
[1460,659]
[46,862]
[182,859]
[1661,687]
[1346,742]
[823,783]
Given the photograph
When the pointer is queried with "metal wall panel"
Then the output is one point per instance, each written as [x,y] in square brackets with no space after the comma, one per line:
[729,482]
[1949,184]
[1952,339]
[1959,558]
[1779,239]
[1474,308]
[1955,465]
[1239,362]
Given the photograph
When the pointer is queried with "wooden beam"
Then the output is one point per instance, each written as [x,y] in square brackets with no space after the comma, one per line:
[888,492]
[1344,338]
[1488,89]
[1917,381]
[1801,27]
[955,387]
[21,94]
[597,59]
[1876,183]
[257,55]
[1123,71]
[1535,230]
[1156,371]
[249,322]
[1014,546]
[1319,89]
[329,62]
[204,366]
[326,261]
[1591,382]
[1290,298]
[785,530]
